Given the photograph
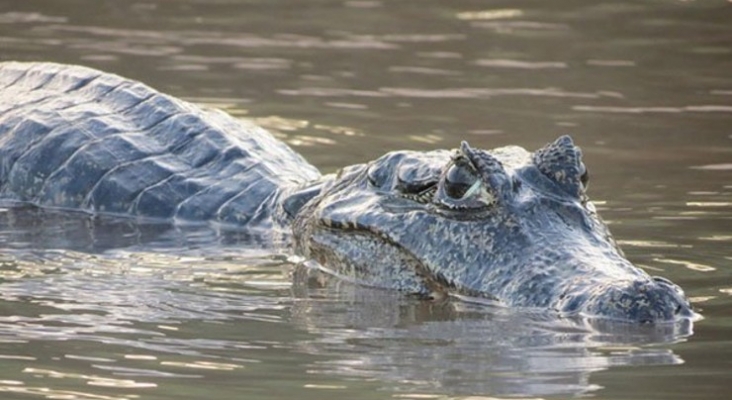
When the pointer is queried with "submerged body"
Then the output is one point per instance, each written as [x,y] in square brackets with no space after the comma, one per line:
[508,225]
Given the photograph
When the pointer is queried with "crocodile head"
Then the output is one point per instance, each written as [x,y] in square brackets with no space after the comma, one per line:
[507,225]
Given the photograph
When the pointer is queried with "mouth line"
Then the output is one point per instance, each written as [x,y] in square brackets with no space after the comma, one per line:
[433,283]
[436,286]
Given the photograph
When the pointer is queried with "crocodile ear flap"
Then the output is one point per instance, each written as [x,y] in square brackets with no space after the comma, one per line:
[561,161]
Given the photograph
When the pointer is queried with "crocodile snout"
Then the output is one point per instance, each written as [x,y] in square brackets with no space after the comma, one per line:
[654,300]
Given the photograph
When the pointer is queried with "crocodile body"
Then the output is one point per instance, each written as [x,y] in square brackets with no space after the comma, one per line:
[72,137]
[506,224]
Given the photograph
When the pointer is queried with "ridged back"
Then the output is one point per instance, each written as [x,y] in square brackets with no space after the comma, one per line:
[74,137]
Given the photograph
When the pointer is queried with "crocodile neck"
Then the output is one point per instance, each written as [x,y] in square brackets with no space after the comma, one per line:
[290,200]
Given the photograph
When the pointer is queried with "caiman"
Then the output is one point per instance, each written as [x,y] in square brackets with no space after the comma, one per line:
[508,225]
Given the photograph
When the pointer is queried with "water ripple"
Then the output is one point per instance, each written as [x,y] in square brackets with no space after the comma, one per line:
[714,167]
[647,110]
[499,63]
[132,40]
[29,17]
[490,14]
[423,70]
[382,339]
[452,93]
[521,26]
[611,63]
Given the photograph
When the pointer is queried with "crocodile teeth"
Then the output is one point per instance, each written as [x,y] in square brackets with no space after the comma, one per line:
[423,197]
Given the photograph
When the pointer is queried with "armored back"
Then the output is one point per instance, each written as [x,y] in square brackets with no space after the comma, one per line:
[73,137]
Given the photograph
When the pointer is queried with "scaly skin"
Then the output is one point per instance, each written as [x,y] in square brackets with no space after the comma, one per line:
[505,224]
[77,138]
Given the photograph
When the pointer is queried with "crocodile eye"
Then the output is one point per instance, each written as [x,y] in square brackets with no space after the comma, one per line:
[460,181]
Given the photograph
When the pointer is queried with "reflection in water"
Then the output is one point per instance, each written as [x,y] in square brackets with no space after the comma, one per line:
[156,305]
[146,314]
[461,348]
[29,226]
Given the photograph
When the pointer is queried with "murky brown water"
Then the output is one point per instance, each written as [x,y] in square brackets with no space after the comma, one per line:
[109,310]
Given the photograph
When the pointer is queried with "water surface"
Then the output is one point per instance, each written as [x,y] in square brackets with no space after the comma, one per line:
[97,308]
